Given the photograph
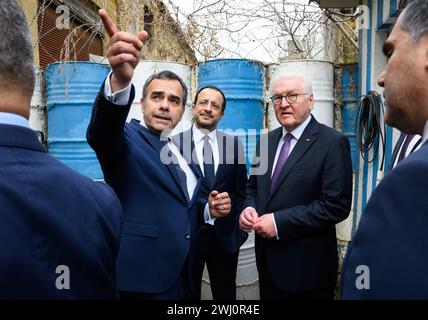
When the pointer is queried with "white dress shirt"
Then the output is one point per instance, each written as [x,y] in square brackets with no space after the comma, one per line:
[13,119]
[198,140]
[297,133]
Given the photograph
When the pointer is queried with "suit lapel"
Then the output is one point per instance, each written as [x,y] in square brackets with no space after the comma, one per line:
[303,144]
[184,141]
[162,149]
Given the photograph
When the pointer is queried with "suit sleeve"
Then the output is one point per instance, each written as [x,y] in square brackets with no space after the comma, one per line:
[334,203]
[238,194]
[105,132]
[393,228]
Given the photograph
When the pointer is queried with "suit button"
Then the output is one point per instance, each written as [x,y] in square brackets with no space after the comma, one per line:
[187,236]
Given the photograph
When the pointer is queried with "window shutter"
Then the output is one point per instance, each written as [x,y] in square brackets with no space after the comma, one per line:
[52,40]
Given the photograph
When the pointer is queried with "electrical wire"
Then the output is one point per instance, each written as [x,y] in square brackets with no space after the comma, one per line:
[370,127]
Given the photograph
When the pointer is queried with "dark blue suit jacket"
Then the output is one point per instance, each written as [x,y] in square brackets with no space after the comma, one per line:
[52,216]
[231,177]
[312,194]
[159,222]
[391,237]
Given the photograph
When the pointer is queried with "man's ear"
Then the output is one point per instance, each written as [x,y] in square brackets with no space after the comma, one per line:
[142,104]
[311,101]
[424,43]
[426,58]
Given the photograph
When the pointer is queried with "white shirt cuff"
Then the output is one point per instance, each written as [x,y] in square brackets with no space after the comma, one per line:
[207,217]
[274,224]
[120,97]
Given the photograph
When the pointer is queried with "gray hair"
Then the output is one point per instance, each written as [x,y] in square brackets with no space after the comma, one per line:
[165,75]
[16,50]
[414,18]
[307,85]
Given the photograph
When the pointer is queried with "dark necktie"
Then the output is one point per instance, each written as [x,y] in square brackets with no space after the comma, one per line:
[406,143]
[207,153]
[181,174]
[282,158]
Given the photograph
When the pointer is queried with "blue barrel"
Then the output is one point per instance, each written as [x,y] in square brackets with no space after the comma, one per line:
[242,82]
[71,89]
[350,107]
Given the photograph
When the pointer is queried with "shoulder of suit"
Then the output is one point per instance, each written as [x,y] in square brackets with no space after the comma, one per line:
[273,132]
[420,155]
[412,170]
[330,132]
[76,181]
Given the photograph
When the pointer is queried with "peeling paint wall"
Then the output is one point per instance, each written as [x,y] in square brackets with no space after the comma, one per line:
[166,40]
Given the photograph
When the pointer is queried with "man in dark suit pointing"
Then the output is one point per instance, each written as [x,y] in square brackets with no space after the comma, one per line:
[157,188]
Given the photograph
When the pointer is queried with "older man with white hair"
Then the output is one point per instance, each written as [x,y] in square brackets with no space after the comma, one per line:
[295,205]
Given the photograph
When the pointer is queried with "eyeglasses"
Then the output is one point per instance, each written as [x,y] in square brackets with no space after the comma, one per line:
[291,98]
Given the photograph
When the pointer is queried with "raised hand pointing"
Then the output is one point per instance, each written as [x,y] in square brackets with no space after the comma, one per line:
[123,52]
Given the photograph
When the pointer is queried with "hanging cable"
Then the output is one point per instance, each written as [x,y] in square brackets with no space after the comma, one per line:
[370,127]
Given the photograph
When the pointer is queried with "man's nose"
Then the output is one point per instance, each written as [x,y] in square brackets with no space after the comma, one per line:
[208,107]
[284,102]
[165,104]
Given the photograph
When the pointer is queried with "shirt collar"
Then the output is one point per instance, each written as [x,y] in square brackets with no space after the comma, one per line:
[169,135]
[199,135]
[425,134]
[297,133]
[14,119]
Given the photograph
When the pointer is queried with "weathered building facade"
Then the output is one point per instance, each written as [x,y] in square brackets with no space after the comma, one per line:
[70,30]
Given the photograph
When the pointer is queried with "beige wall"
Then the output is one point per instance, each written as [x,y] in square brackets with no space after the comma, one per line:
[30,9]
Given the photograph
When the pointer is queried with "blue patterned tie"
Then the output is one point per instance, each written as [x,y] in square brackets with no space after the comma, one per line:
[207,152]
[181,174]
[283,156]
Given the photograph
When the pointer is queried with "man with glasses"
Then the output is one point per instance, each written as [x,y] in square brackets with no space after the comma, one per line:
[295,205]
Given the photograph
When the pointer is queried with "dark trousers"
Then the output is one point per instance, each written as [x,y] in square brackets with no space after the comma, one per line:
[221,266]
[180,290]
[270,291]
